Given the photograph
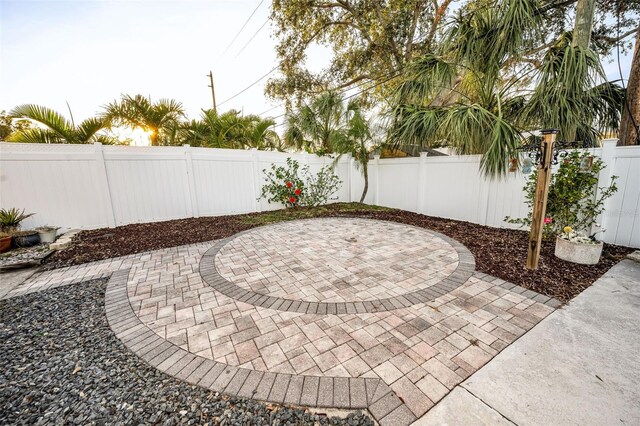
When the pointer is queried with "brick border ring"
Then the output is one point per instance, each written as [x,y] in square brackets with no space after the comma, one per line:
[210,275]
[346,393]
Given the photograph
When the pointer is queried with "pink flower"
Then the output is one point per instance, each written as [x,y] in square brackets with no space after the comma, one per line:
[289,184]
[292,200]
[547,220]
[297,191]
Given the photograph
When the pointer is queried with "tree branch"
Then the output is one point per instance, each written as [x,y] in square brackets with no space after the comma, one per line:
[615,39]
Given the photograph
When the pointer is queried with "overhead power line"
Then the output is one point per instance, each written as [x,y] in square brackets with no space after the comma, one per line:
[249,86]
[251,39]
[241,29]
[395,73]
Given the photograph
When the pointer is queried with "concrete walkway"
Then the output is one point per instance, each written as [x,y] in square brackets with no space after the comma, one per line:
[579,366]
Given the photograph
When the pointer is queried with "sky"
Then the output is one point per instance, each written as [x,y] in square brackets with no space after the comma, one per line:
[87,53]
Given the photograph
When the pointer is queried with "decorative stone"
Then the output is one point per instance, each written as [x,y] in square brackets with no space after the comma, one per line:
[584,254]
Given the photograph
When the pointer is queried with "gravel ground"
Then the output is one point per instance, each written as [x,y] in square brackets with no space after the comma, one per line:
[61,364]
[498,252]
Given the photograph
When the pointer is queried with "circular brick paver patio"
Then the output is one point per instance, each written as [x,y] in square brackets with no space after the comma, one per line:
[336,260]
[337,266]
[395,345]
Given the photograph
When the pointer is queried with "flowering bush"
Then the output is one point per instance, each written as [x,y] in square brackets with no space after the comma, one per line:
[572,200]
[297,186]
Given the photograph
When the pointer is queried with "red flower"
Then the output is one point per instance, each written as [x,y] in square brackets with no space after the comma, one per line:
[292,200]
[289,184]
[547,220]
[297,191]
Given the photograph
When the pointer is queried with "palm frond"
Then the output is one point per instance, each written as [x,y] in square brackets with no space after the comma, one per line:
[35,135]
[47,117]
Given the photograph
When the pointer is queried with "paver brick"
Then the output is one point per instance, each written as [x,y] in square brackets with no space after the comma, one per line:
[401,416]
[279,388]
[384,405]
[310,387]
[341,390]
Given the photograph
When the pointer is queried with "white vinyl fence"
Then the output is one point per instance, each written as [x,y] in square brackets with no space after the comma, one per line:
[92,186]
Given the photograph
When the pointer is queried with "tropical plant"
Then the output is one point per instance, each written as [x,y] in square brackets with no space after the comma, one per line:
[371,41]
[467,96]
[318,125]
[161,119]
[10,219]
[230,130]
[574,198]
[57,128]
[357,140]
[296,186]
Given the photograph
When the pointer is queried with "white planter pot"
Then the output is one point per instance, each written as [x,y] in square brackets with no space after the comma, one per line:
[585,254]
[48,236]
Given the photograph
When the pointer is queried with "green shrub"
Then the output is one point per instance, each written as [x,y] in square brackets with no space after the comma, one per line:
[297,186]
[572,197]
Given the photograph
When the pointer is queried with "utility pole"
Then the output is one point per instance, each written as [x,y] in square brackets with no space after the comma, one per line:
[213,91]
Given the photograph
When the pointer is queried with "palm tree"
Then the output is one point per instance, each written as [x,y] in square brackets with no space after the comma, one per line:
[462,94]
[57,128]
[316,126]
[231,130]
[356,139]
[161,118]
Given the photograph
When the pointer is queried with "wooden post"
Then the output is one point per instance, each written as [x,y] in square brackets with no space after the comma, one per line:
[540,202]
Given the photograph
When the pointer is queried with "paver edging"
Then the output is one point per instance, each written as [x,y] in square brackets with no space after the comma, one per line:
[211,276]
[355,393]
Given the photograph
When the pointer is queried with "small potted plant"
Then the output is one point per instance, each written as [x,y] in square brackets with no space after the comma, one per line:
[5,242]
[574,247]
[47,233]
[26,238]
[10,219]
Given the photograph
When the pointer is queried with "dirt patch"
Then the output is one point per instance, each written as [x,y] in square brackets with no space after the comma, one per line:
[498,252]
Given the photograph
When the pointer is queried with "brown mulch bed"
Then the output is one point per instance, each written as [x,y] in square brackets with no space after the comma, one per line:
[498,252]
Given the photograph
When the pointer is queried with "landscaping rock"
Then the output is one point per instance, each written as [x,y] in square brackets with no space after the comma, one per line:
[61,364]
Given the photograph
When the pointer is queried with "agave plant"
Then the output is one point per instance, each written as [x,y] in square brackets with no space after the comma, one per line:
[10,219]
[467,96]
[57,128]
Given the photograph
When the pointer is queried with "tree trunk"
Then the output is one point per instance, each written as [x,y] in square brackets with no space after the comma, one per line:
[365,172]
[585,11]
[631,111]
[581,37]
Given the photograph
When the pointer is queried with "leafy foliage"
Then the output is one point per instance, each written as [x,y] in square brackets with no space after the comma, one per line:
[572,197]
[465,95]
[230,130]
[161,118]
[318,125]
[57,129]
[9,125]
[370,40]
[295,186]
